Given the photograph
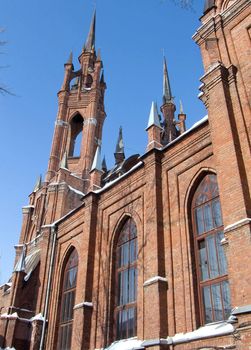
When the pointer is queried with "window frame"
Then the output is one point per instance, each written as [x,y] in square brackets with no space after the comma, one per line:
[122,268]
[202,237]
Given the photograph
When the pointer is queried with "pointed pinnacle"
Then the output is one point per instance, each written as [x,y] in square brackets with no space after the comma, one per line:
[104,166]
[120,143]
[70,58]
[90,42]
[167,93]
[181,108]
[38,184]
[64,163]
[96,164]
[153,116]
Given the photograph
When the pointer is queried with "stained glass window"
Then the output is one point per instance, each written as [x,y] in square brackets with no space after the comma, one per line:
[67,302]
[213,283]
[125,313]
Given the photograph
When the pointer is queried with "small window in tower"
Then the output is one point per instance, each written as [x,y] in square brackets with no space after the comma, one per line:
[89,81]
[76,136]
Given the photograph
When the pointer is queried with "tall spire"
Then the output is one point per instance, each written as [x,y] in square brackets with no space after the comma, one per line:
[119,151]
[167,93]
[90,41]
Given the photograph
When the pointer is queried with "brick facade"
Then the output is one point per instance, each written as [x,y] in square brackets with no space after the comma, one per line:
[82,206]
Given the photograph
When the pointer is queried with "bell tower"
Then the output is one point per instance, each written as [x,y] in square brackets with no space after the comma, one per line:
[81,114]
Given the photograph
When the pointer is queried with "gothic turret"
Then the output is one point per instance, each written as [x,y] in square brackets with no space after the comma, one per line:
[168,109]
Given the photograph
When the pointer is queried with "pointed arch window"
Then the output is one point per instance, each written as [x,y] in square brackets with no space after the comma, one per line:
[125,313]
[76,136]
[67,302]
[211,262]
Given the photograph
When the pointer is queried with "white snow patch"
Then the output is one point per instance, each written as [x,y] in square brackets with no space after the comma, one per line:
[154,280]
[28,206]
[38,317]
[125,344]
[200,94]
[85,303]
[7,348]
[76,191]
[194,126]
[210,330]
[237,223]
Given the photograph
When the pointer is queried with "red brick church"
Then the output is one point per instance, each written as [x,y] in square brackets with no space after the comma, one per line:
[154,253]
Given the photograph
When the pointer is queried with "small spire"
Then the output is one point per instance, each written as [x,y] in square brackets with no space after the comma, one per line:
[104,166]
[119,151]
[64,162]
[167,93]
[153,116]
[20,266]
[181,108]
[97,165]
[70,58]
[38,184]
[120,143]
[90,42]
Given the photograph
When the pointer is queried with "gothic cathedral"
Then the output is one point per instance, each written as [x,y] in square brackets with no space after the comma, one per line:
[154,253]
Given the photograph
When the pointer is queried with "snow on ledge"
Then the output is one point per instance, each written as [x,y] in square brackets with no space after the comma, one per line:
[84,303]
[154,280]
[38,317]
[237,223]
[125,344]
[7,348]
[208,331]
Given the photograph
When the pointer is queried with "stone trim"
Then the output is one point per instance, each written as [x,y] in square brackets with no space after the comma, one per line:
[237,224]
[153,280]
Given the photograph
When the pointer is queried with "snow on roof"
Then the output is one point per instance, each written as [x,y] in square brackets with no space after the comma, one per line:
[125,344]
[76,191]
[108,184]
[194,126]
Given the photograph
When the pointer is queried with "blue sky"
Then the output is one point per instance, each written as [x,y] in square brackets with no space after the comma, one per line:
[40,35]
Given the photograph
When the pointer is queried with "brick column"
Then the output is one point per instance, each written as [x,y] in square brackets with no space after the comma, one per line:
[155,282]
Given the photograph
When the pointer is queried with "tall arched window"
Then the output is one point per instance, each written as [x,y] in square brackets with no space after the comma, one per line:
[67,302]
[211,262]
[125,313]
[76,136]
